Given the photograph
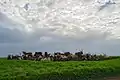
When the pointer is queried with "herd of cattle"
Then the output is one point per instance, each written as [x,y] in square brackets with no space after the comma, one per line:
[58,56]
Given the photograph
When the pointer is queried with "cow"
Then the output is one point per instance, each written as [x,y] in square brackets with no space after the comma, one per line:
[27,55]
[9,57]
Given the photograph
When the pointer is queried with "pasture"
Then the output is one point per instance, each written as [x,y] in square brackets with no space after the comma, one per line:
[49,70]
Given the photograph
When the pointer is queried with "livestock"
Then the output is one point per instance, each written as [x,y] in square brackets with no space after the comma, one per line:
[59,56]
[38,54]
[9,57]
[17,57]
[46,54]
[27,55]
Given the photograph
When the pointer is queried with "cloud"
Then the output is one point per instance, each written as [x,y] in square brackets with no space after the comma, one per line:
[58,25]
[10,35]
[66,20]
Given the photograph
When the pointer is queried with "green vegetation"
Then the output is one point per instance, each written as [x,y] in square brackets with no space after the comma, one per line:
[48,70]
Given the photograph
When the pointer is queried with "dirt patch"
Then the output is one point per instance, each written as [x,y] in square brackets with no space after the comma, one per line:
[112,78]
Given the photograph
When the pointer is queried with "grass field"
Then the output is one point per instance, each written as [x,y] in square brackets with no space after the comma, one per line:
[48,70]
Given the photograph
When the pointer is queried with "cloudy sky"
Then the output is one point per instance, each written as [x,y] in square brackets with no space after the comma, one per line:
[59,25]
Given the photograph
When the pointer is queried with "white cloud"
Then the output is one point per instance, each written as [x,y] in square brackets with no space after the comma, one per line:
[64,24]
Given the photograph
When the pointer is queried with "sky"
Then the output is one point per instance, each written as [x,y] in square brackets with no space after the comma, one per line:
[59,25]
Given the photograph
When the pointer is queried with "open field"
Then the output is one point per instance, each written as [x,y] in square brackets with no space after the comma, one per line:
[67,70]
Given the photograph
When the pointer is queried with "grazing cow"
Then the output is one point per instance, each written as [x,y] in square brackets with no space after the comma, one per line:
[69,57]
[9,57]
[16,57]
[38,58]
[51,57]
[57,56]
[79,54]
[63,58]
[88,56]
[27,53]
[46,55]
[94,57]
[66,53]
[38,54]
[27,56]
[84,57]
[74,57]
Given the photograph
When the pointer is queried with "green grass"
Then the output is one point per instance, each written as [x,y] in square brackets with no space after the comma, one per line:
[48,70]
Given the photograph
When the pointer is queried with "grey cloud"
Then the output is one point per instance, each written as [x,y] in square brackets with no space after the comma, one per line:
[15,41]
[10,35]
[14,38]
